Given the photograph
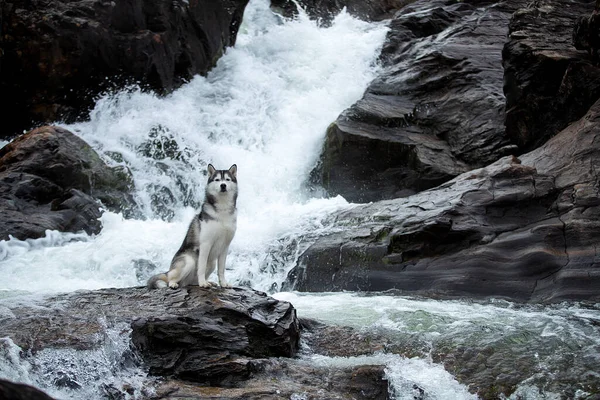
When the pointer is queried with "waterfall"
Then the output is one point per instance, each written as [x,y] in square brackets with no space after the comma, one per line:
[265,107]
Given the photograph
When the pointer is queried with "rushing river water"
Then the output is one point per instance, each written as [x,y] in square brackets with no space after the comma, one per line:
[266,107]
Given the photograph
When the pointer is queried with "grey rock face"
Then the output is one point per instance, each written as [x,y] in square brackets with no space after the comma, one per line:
[548,83]
[57,56]
[435,111]
[52,179]
[522,229]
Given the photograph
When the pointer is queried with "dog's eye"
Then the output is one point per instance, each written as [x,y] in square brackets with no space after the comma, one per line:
[217,179]
[228,179]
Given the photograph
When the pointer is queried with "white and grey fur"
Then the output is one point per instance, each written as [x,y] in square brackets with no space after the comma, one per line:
[208,237]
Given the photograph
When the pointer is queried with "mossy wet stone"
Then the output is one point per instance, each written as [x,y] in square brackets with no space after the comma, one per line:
[52,179]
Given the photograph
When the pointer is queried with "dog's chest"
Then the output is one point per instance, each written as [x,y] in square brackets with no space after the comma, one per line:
[220,229]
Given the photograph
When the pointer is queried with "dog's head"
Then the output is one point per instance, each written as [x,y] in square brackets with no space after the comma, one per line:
[222,181]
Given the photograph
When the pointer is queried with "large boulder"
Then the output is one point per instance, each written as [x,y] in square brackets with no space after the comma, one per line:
[52,179]
[57,56]
[548,83]
[435,111]
[524,229]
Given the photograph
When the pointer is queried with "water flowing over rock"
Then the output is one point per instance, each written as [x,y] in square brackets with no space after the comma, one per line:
[523,229]
[326,10]
[57,56]
[52,179]
[208,336]
[435,111]
[548,82]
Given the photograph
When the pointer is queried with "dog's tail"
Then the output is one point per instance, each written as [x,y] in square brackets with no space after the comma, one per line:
[157,281]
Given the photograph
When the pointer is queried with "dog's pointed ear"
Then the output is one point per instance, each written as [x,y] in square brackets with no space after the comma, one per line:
[211,170]
[233,170]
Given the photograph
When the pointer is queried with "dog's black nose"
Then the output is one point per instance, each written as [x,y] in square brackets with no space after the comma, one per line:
[223,187]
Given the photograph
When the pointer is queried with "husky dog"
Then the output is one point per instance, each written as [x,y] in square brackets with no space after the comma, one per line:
[208,236]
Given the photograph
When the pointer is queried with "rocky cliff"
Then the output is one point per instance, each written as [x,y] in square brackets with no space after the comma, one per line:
[56,57]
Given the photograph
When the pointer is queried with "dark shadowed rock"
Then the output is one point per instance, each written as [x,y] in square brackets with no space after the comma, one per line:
[19,391]
[217,341]
[548,83]
[435,111]
[52,179]
[57,56]
[520,228]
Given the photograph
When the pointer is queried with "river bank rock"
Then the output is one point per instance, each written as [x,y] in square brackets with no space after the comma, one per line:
[205,336]
[548,83]
[52,179]
[435,111]
[520,228]
[58,56]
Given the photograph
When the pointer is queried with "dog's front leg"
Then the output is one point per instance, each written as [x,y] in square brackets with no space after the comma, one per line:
[221,270]
[202,265]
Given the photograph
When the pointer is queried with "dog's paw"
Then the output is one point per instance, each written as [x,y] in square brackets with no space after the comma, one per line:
[205,284]
[225,285]
[173,285]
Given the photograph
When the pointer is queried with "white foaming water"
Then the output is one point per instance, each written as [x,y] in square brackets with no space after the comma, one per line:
[265,106]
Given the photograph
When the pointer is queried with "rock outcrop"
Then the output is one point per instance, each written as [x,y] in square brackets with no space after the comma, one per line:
[52,179]
[521,228]
[548,83]
[435,111]
[57,56]
[207,336]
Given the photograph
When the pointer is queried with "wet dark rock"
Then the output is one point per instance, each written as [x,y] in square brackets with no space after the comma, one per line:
[326,10]
[289,379]
[57,56]
[18,391]
[522,229]
[435,111]
[548,83]
[216,342]
[52,179]
[203,335]
[586,34]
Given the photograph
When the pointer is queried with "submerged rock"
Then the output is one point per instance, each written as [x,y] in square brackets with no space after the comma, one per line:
[51,179]
[58,56]
[523,229]
[435,111]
